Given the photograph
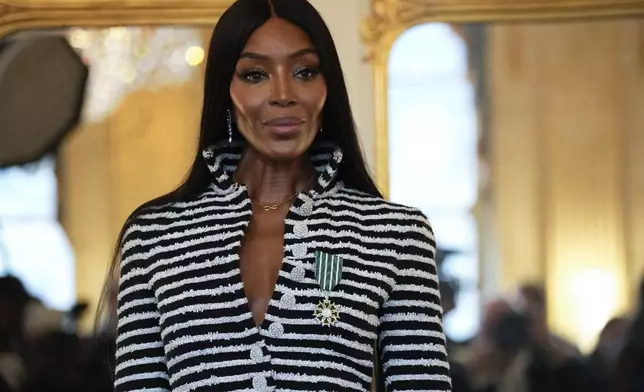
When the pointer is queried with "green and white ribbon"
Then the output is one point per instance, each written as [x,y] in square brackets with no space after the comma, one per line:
[328,270]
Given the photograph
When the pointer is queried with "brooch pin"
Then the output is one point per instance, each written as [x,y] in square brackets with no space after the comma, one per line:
[326,312]
[328,273]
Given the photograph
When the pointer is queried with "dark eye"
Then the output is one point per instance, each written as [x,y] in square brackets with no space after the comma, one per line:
[307,73]
[253,76]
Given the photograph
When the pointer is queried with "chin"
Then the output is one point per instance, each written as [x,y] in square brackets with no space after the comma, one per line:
[284,150]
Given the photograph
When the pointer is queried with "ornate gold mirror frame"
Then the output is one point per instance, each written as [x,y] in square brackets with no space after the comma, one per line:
[18,15]
[390,18]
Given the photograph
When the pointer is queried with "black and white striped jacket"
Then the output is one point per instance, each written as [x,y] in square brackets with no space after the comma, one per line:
[183,319]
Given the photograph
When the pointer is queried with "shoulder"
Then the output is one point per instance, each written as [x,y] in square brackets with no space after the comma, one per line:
[403,229]
[368,205]
[163,213]
[379,215]
[152,224]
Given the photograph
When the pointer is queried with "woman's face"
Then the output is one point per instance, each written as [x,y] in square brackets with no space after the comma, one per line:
[278,91]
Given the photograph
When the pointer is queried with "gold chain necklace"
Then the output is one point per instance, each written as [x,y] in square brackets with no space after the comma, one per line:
[273,207]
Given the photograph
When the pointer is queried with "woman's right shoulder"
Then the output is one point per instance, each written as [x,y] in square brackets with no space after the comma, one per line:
[152,221]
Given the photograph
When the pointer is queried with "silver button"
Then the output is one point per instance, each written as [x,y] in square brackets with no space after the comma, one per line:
[208,153]
[299,250]
[298,274]
[256,353]
[337,156]
[288,301]
[300,229]
[276,330]
[306,209]
[260,383]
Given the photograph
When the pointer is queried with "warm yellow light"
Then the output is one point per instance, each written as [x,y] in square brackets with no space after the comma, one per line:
[594,297]
[128,75]
[118,32]
[80,39]
[195,55]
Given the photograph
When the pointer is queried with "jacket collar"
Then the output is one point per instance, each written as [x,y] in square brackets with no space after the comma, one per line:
[222,160]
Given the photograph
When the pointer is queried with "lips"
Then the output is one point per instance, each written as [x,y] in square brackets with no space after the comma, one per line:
[284,122]
[284,126]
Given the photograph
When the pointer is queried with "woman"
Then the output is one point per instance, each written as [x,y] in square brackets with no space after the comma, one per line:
[277,264]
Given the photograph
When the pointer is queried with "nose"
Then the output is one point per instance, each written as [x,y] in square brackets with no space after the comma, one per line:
[282,94]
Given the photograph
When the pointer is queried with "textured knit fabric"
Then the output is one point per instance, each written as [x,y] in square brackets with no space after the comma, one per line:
[184,322]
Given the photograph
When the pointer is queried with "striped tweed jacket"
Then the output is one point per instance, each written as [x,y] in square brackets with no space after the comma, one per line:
[357,270]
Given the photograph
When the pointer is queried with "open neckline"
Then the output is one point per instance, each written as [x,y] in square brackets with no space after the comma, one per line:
[248,312]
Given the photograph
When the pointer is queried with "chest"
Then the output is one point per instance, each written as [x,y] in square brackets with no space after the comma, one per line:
[262,245]
[313,255]
[260,258]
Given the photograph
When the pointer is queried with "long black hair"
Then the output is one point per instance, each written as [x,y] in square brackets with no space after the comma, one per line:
[229,38]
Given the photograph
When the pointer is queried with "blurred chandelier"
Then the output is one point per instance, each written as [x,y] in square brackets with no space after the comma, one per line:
[126,59]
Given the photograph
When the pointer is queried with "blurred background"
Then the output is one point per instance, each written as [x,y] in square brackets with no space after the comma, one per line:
[522,142]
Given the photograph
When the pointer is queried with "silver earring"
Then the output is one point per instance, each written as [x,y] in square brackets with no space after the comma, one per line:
[229,121]
[321,129]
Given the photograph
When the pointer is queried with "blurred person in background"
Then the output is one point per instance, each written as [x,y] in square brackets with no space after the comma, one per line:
[499,356]
[54,363]
[37,344]
[531,300]
[449,288]
[14,300]
[515,352]
[629,372]
[460,381]
[603,360]
[555,362]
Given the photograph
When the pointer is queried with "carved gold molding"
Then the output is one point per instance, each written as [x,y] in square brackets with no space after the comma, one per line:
[390,18]
[18,15]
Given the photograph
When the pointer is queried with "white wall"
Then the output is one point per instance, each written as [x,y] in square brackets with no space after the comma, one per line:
[344,18]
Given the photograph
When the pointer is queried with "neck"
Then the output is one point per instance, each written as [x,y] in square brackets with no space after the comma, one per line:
[270,181]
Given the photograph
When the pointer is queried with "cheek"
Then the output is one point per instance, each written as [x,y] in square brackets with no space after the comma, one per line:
[322,100]
[323,93]
[317,98]
[247,101]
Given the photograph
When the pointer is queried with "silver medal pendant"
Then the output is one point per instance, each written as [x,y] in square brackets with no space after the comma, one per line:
[327,313]
[328,273]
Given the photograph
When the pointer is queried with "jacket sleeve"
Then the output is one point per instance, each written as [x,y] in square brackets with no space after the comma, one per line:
[140,357]
[412,342]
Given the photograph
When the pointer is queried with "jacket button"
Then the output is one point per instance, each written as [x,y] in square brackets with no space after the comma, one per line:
[276,330]
[306,209]
[260,383]
[288,300]
[256,353]
[299,250]
[208,153]
[300,229]
[337,156]
[298,274]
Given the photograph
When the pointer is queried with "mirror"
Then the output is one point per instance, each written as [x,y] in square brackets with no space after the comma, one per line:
[523,143]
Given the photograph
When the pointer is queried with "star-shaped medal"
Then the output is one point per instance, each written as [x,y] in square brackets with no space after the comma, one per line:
[326,312]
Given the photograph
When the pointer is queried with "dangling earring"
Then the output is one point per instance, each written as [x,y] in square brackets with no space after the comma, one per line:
[229,121]
[321,129]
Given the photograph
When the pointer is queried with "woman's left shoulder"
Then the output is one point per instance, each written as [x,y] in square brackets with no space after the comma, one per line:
[377,210]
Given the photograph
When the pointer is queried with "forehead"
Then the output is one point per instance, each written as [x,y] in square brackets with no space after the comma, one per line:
[278,37]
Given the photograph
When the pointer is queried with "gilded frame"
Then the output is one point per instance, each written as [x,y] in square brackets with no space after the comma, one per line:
[388,19]
[18,15]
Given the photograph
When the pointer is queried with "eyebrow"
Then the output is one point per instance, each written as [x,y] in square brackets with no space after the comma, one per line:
[258,56]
